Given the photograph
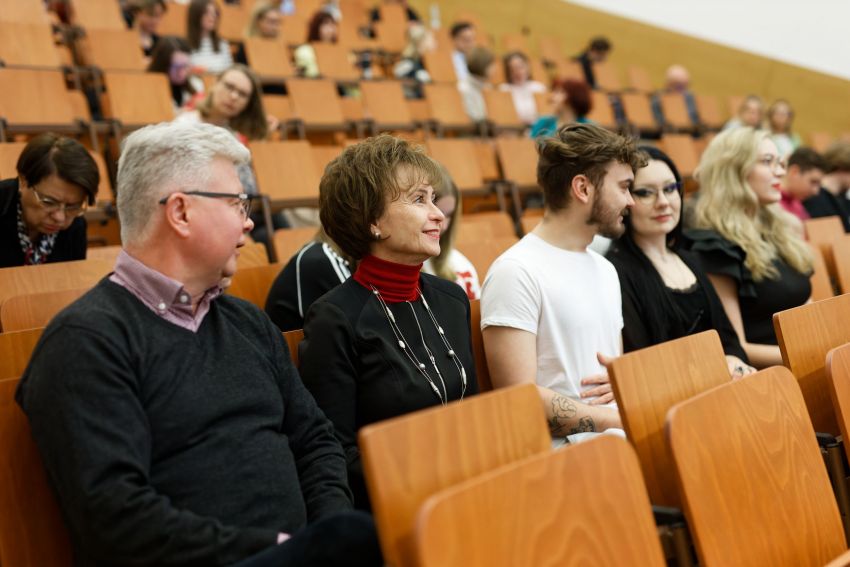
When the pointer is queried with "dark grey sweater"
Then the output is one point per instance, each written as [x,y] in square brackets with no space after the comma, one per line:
[172,447]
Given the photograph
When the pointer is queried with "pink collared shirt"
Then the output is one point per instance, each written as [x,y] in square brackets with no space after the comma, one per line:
[794,206]
[162,295]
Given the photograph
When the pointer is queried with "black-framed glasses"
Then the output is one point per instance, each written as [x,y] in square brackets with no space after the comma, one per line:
[244,199]
[649,195]
[51,205]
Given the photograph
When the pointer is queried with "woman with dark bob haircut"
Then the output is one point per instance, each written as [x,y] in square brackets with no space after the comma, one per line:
[41,210]
[390,340]
[666,295]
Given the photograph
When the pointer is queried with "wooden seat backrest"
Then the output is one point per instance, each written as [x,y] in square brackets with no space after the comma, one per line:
[114,50]
[458,156]
[440,66]
[15,350]
[269,58]
[607,76]
[675,111]
[805,334]
[501,110]
[27,45]
[821,232]
[384,101]
[35,310]
[710,111]
[484,226]
[335,62]
[838,379]
[841,257]
[286,172]
[409,458]
[481,370]
[288,241]
[638,111]
[509,516]
[98,14]
[445,105]
[821,284]
[138,99]
[639,79]
[647,383]
[601,111]
[173,22]
[57,276]
[683,152]
[253,284]
[754,487]
[550,48]
[18,12]
[35,97]
[315,102]
[293,339]
[32,532]
[252,255]
[9,154]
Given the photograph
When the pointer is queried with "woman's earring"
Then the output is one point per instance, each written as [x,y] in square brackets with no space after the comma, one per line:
[376,235]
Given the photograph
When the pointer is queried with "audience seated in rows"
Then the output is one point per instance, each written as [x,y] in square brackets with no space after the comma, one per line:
[420,41]
[481,65]
[391,339]
[802,180]
[666,294]
[550,307]
[677,80]
[209,51]
[750,113]
[780,117]
[144,16]
[171,56]
[210,451]
[750,248]
[463,41]
[323,29]
[41,209]
[264,22]
[597,51]
[521,86]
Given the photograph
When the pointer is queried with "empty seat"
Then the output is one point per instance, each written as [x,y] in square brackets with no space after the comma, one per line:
[445,108]
[286,172]
[269,58]
[253,284]
[27,45]
[35,310]
[112,50]
[386,107]
[316,103]
[133,100]
[36,100]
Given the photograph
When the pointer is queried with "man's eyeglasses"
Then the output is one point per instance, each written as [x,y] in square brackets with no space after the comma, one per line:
[649,196]
[51,205]
[244,200]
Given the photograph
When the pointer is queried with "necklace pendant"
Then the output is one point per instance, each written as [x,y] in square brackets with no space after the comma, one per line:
[422,365]
[401,344]
[451,353]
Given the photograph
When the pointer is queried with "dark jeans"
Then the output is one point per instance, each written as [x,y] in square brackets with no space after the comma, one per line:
[346,539]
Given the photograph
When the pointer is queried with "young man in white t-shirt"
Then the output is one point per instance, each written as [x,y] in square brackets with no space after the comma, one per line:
[551,311]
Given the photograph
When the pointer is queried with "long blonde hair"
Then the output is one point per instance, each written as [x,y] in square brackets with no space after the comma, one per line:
[728,205]
[440,262]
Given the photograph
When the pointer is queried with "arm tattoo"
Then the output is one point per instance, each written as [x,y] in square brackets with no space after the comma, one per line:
[563,409]
[584,424]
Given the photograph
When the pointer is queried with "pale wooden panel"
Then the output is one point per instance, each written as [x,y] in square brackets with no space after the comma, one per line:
[323,155]
[482,373]
[647,383]
[753,482]
[173,22]
[482,253]
[23,12]
[821,232]
[335,62]
[32,532]
[252,255]
[501,110]
[293,339]
[710,112]
[253,283]
[638,111]
[440,66]
[805,334]
[15,350]
[9,154]
[485,226]
[458,156]
[269,58]
[485,153]
[601,111]
[385,104]
[841,257]
[106,253]
[138,98]
[35,98]
[113,50]
[98,14]
[288,241]
[511,516]
[403,467]
[35,310]
[52,277]
[27,45]
[607,77]
[675,111]
[233,20]
[518,157]
[683,152]
[838,378]
[278,106]
[639,79]
[445,105]
[316,102]
[286,172]
[821,285]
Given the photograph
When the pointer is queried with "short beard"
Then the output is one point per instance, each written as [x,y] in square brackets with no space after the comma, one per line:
[605,225]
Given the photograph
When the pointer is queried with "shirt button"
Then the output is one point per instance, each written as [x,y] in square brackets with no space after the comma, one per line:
[161,306]
[184,298]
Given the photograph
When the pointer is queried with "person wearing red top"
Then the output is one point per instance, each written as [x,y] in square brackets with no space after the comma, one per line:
[391,339]
[804,174]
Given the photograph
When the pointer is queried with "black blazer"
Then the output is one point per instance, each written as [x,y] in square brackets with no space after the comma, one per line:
[70,243]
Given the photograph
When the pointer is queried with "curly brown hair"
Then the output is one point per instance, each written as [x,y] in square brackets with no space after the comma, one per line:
[357,185]
[580,149]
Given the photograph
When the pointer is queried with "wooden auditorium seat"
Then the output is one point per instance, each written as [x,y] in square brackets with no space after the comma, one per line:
[55,276]
[269,58]
[460,158]
[485,226]
[112,50]
[409,458]
[639,79]
[293,339]
[34,101]
[234,19]
[550,49]
[675,111]
[28,45]
[9,154]
[97,15]
[482,373]
[754,487]
[286,172]
[253,283]
[334,62]
[647,383]
[252,255]
[501,112]
[841,257]
[445,108]
[711,113]
[683,152]
[440,66]
[288,241]
[482,253]
[173,22]
[32,532]
[601,111]
[821,284]
[545,510]
[16,347]
[35,310]
[17,12]
[316,103]
[133,100]
[386,106]
[607,77]
[821,232]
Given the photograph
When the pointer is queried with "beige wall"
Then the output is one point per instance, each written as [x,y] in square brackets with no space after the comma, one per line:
[820,100]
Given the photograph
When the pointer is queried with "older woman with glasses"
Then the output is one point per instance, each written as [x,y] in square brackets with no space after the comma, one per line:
[41,210]
[389,340]
[666,295]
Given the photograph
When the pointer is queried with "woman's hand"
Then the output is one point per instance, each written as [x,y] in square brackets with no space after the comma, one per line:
[737,367]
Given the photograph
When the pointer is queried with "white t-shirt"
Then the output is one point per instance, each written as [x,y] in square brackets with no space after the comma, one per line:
[211,60]
[524,101]
[465,274]
[569,300]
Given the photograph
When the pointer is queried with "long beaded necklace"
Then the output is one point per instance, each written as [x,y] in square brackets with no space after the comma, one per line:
[420,366]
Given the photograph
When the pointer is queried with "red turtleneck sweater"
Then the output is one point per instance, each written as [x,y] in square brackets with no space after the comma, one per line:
[396,282]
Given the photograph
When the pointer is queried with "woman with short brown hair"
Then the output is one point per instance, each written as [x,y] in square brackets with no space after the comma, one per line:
[390,340]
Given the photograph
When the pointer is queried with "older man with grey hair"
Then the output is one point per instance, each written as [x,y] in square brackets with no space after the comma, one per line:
[172,423]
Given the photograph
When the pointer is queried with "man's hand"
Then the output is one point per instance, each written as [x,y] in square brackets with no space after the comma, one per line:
[601,393]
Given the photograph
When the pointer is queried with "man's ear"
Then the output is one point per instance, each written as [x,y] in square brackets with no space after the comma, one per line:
[581,188]
[177,214]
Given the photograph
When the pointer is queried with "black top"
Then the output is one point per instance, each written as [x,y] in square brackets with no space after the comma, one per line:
[312,272]
[646,300]
[352,363]
[172,447]
[825,204]
[70,243]
[758,300]
[587,66]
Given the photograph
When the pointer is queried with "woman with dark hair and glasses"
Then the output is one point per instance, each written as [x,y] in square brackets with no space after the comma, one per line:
[41,210]
[666,295]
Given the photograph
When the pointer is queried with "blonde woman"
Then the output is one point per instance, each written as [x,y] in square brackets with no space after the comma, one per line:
[747,244]
[450,264]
